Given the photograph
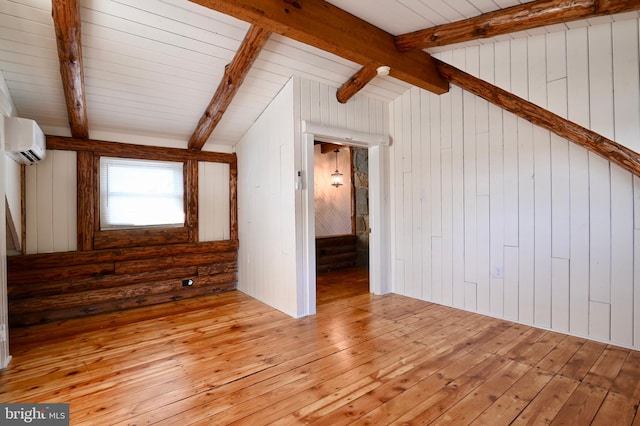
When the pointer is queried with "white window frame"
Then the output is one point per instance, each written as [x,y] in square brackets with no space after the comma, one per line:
[173,189]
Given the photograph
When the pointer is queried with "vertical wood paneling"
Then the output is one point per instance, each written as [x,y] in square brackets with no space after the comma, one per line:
[578,111]
[511,186]
[267,266]
[64,201]
[44,214]
[470,196]
[511,279]
[542,226]
[417,226]
[213,201]
[483,179]
[560,223]
[621,256]
[599,320]
[636,277]
[7,185]
[447,227]
[446,191]
[31,207]
[483,287]
[425,204]
[601,118]
[626,68]
[496,209]
[457,188]
[398,194]
[560,294]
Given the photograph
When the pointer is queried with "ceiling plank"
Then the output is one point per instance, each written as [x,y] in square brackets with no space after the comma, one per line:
[66,20]
[356,83]
[234,75]
[326,148]
[516,18]
[594,142]
[327,27]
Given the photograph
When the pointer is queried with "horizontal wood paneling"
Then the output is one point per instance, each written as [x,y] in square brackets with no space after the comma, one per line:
[336,252]
[556,239]
[110,280]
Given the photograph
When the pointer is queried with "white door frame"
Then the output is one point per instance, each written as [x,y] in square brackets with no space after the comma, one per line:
[377,145]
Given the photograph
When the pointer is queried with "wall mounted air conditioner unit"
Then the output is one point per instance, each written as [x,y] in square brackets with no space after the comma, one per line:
[24,140]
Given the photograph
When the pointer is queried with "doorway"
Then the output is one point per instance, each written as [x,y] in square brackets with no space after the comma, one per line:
[378,207]
[341,201]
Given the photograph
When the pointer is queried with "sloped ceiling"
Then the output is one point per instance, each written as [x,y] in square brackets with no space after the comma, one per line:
[152,66]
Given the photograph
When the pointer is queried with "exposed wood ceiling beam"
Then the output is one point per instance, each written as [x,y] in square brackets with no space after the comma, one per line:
[322,25]
[610,150]
[356,83]
[66,20]
[517,18]
[234,75]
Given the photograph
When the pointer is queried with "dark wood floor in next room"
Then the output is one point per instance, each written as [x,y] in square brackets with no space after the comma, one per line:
[363,359]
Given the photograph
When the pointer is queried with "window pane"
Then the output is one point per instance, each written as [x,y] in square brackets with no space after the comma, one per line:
[140,193]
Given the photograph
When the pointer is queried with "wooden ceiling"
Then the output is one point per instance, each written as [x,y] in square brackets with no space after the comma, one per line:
[158,68]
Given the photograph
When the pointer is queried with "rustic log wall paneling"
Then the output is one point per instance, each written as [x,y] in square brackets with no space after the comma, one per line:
[191,199]
[233,200]
[85,199]
[115,238]
[516,18]
[120,269]
[66,21]
[128,150]
[43,288]
[594,142]
[335,252]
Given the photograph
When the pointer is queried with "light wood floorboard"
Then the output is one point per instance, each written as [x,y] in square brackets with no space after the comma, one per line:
[363,359]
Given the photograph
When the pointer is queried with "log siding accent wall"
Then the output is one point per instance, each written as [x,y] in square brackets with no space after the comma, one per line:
[55,286]
[119,269]
[336,252]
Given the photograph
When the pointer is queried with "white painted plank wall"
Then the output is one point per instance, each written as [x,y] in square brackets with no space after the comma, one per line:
[550,231]
[266,210]
[50,189]
[8,184]
[213,201]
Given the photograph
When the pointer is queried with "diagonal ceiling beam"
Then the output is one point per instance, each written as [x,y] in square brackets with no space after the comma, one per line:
[66,20]
[357,81]
[594,142]
[322,25]
[517,18]
[234,74]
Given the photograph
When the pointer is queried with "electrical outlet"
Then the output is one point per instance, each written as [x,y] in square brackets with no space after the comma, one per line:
[3,332]
[187,283]
[498,272]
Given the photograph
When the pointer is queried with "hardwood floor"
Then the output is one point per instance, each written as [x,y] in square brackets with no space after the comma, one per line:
[363,359]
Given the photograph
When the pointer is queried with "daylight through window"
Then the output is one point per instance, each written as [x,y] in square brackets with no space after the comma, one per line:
[135,193]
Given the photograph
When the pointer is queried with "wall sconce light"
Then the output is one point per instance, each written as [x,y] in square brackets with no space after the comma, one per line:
[336,177]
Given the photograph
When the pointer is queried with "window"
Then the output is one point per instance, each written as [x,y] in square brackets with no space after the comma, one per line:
[141,193]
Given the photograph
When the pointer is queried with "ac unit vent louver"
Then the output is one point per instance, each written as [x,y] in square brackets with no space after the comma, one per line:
[31,156]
